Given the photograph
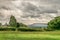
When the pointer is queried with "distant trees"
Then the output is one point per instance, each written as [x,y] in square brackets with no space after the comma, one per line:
[6,24]
[54,24]
[22,25]
[13,23]
[15,26]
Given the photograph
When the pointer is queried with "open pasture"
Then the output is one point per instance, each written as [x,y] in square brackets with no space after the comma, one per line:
[8,35]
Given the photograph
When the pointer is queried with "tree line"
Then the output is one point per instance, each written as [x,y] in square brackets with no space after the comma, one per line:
[13,23]
[53,24]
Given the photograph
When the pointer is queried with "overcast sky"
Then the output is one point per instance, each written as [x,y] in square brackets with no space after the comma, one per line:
[29,11]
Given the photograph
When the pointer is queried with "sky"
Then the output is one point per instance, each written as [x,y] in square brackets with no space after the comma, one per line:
[29,11]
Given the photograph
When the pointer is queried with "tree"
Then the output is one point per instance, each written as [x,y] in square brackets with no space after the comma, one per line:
[22,25]
[0,24]
[5,24]
[18,25]
[55,23]
[13,22]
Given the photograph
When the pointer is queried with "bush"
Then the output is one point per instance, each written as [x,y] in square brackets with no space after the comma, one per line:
[25,29]
[7,29]
[48,30]
[30,29]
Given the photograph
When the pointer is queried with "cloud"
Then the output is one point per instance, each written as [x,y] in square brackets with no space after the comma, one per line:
[29,11]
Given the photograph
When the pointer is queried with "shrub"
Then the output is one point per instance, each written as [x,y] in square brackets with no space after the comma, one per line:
[7,29]
[29,29]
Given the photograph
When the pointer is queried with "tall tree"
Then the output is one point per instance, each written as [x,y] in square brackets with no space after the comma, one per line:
[13,21]
[55,23]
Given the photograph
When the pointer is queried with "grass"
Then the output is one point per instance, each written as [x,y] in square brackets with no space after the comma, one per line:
[52,35]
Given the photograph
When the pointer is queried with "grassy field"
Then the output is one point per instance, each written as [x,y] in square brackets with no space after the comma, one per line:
[52,35]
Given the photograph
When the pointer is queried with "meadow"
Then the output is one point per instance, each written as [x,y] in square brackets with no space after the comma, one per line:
[11,35]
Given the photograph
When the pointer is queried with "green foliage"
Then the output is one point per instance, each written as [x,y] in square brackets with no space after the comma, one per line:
[30,29]
[26,29]
[22,25]
[54,24]
[6,24]
[18,25]
[7,29]
[0,24]
[13,22]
